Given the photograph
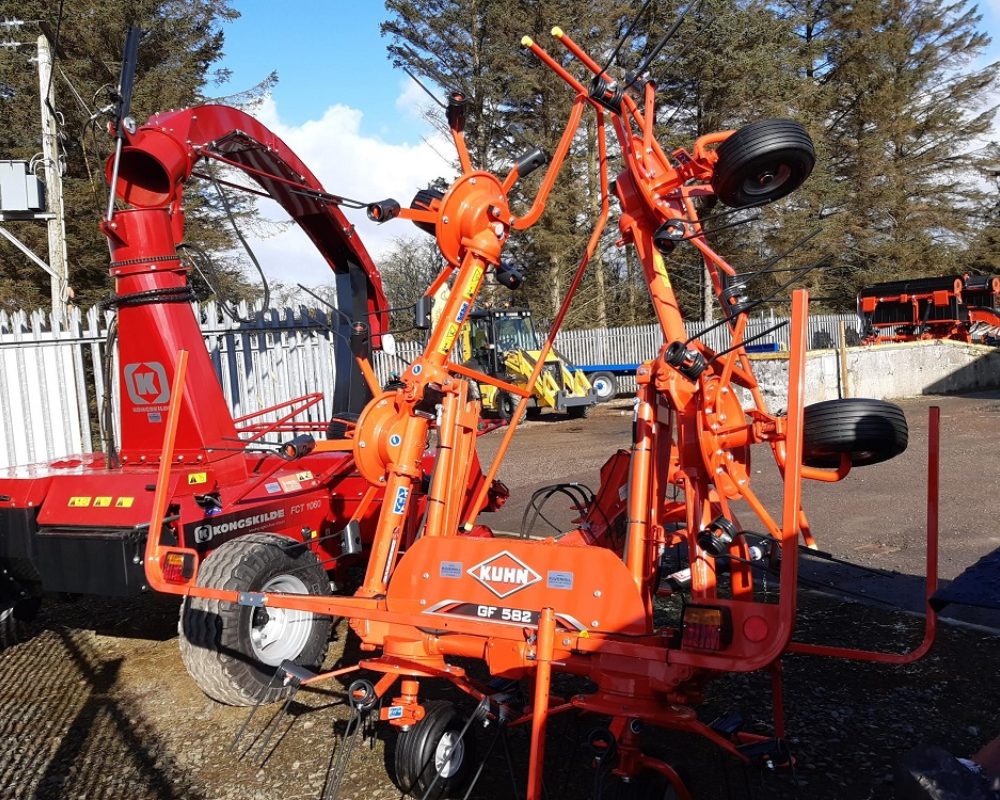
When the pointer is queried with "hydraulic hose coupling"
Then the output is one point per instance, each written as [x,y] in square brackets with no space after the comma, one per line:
[689,363]
[383,210]
[297,447]
[717,537]
[509,276]
[668,235]
[457,106]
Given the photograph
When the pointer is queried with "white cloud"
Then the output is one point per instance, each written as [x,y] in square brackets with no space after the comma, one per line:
[352,164]
[413,100]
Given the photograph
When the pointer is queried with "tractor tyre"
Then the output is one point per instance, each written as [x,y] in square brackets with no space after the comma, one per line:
[507,405]
[18,608]
[605,386]
[580,412]
[430,753]
[232,651]
[763,162]
[869,431]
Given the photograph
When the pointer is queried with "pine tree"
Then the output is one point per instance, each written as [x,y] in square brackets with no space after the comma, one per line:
[177,61]
[904,135]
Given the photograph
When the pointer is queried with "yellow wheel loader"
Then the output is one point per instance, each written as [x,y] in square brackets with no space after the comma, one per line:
[502,342]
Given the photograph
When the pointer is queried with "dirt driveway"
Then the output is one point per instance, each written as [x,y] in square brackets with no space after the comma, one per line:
[98,704]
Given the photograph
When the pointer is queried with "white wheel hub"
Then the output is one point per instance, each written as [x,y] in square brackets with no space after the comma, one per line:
[277,634]
[448,754]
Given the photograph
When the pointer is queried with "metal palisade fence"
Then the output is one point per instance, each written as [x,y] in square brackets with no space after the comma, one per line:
[55,378]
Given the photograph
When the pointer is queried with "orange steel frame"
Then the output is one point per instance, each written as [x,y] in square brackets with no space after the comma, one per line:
[693,435]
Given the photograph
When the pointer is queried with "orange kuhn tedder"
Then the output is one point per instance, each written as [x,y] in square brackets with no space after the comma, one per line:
[582,603]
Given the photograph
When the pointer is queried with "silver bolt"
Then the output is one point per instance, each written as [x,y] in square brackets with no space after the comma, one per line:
[594,623]
[444,220]
[597,592]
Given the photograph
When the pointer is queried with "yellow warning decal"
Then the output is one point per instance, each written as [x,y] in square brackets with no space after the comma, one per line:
[124,502]
[197,477]
[304,476]
[473,284]
[449,338]
[661,267]
[79,502]
[102,502]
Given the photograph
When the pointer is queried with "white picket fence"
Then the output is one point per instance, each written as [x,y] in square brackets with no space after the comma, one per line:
[53,381]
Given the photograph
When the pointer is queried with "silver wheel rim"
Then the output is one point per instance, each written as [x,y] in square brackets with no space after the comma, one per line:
[603,387]
[448,754]
[277,634]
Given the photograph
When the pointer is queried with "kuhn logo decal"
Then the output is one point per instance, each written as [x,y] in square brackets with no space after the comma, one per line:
[504,574]
[146,382]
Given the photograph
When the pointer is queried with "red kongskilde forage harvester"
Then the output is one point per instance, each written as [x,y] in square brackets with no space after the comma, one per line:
[582,603]
[79,524]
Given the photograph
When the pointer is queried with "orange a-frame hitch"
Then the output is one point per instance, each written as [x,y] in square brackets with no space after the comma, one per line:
[581,603]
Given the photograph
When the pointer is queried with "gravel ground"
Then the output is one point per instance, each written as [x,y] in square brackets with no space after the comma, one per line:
[98,705]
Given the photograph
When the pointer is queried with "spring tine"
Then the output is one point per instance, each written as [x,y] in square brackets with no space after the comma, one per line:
[510,767]
[274,724]
[258,704]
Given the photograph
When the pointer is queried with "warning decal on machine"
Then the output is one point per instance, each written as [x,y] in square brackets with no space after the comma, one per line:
[79,502]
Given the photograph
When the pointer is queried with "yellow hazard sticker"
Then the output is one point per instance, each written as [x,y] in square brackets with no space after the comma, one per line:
[102,502]
[124,502]
[473,284]
[197,477]
[449,338]
[79,502]
[661,267]
[304,476]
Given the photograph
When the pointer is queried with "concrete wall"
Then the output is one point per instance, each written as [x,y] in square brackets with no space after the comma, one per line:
[885,371]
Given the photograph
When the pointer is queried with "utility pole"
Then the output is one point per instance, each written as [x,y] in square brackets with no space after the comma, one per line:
[53,180]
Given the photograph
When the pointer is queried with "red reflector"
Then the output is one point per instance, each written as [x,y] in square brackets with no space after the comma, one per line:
[177,567]
[756,629]
[705,627]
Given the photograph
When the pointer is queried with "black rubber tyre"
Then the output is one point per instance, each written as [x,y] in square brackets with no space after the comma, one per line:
[868,430]
[605,386]
[18,608]
[508,405]
[580,412]
[225,646]
[420,754]
[763,161]
[340,424]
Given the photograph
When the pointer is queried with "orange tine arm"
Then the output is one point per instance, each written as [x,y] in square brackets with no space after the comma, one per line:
[554,65]
[627,101]
[577,51]
[463,151]
[530,218]
[595,238]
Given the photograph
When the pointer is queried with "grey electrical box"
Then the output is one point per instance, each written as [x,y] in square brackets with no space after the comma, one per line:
[20,190]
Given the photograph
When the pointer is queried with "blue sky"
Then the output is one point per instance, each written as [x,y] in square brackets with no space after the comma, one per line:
[326,52]
[349,115]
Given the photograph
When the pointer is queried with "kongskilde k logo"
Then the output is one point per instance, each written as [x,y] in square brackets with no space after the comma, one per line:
[504,574]
[146,382]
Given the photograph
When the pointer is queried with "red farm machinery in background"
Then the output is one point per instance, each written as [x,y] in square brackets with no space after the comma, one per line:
[79,524]
[964,308]
[581,603]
